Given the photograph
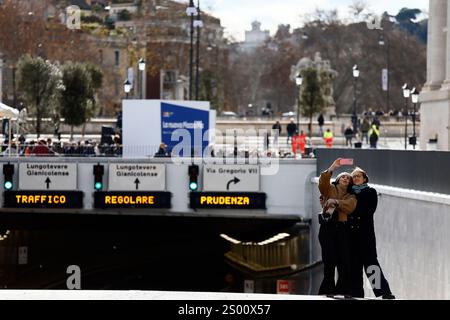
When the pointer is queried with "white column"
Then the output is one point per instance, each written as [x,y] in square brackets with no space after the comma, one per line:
[437,45]
[446,85]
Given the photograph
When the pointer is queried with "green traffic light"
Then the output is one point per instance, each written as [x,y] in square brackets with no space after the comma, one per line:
[98,186]
[8,185]
[193,186]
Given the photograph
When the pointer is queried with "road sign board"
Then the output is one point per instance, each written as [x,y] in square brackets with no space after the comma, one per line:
[385,79]
[133,200]
[137,177]
[47,176]
[228,200]
[47,199]
[285,286]
[231,178]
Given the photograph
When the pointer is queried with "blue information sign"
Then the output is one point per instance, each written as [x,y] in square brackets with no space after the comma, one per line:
[195,121]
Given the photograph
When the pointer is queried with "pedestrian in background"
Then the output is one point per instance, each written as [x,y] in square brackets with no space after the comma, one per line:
[291,130]
[365,127]
[328,138]
[321,122]
[374,135]
[348,133]
[162,151]
[276,131]
[302,142]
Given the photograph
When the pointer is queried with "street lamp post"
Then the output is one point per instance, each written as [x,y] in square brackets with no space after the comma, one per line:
[191,11]
[298,82]
[415,101]
[198,24]
[14,68]
[385,42]
[127,87]
[250,109]
[141,74]
[406,95]
[356,74]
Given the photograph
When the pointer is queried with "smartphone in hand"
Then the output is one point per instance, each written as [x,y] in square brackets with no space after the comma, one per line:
[346,162]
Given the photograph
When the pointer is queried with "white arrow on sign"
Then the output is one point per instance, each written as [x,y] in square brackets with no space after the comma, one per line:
[235,181]
[137,177]
[231,178]
[47,176]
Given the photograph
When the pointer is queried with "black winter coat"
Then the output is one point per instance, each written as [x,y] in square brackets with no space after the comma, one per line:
[362,223]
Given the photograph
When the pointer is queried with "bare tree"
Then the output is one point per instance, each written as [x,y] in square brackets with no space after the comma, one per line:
[357,8]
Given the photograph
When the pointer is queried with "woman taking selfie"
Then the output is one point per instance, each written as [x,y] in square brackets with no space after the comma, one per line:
[337,203]
[363,241]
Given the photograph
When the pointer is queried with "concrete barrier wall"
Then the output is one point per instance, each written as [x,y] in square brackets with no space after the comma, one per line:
[416,170]
[414,243]
[413,240]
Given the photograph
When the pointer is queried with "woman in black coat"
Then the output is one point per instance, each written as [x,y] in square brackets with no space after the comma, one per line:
[363,241]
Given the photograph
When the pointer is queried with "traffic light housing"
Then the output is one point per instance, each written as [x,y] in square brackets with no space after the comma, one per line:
[99,170]
[8,172]
[193,177]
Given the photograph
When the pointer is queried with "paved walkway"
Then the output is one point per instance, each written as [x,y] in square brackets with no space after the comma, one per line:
[141,295]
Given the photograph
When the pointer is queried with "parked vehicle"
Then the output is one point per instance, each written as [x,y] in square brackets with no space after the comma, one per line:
[228,114]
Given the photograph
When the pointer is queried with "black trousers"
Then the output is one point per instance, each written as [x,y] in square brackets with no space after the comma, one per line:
[334,240]
[364,258]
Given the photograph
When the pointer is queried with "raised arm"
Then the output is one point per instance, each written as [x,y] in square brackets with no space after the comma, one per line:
[324,183]
[324,180]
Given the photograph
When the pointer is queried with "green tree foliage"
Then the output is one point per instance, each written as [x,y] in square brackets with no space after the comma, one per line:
[80,84]
[110,22]
[76,94]
[95,83]
[124,15]
[406,20]
[38,79]
[312,95]
[91,19]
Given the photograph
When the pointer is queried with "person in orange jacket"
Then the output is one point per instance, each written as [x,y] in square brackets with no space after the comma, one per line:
[299,142]
[27,151]
[295,145]
[328,138]
[302,141]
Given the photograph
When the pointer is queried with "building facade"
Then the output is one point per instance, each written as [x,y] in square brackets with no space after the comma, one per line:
[255,37]
[158,31]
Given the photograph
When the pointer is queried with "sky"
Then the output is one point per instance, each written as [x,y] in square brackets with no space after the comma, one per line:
[237,15]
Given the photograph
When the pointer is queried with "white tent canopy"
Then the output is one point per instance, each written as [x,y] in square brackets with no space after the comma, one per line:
[8,112]
[11,113]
